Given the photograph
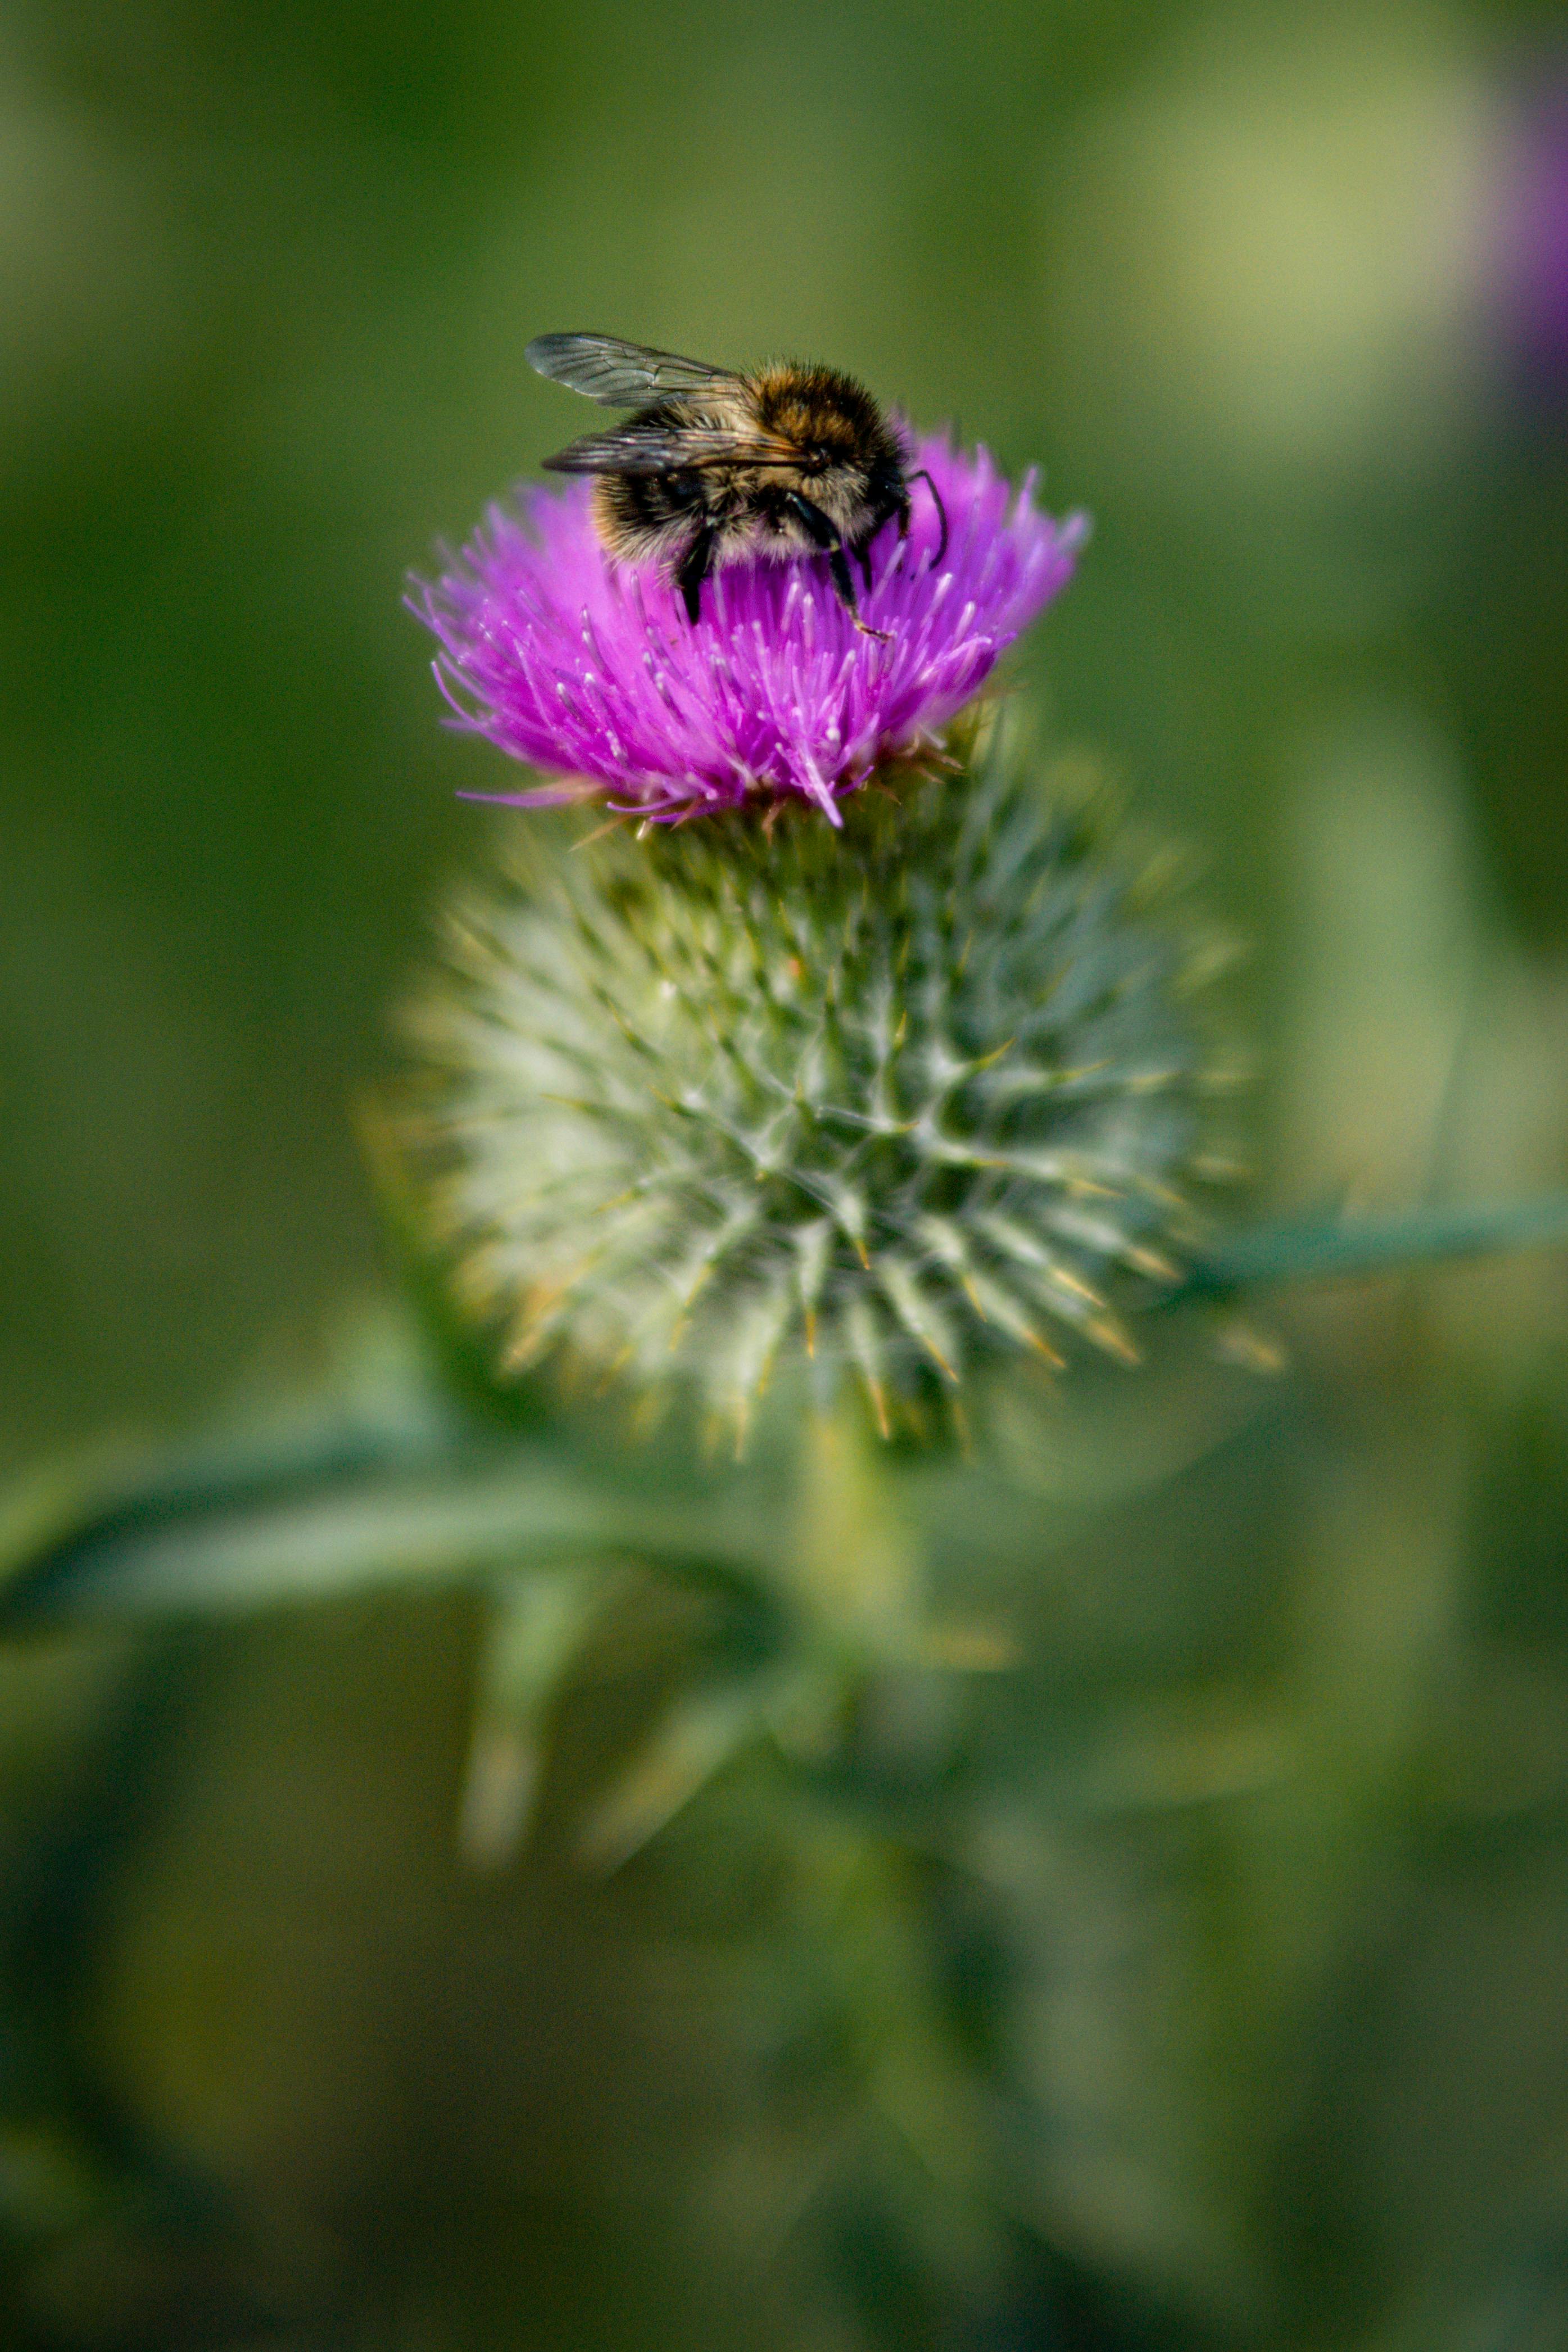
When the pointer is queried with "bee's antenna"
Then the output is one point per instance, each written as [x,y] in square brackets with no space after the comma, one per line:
[921,474]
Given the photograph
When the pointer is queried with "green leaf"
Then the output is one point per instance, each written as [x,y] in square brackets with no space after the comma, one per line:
[215,1547]
[698,1736]
[1316,1249]
[538,1626]
[377,1479]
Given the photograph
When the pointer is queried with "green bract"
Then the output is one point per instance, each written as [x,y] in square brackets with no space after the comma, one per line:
[894,1098]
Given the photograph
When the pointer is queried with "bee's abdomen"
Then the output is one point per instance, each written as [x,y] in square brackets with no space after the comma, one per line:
[646,514]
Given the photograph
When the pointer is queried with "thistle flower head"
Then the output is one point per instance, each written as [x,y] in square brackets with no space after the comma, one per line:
[900,1098]
[590,672]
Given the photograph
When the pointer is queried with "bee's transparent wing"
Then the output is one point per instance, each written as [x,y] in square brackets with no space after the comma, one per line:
[623,375]
[669,449]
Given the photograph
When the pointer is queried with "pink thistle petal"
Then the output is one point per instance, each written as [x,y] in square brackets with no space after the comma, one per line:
[590,671]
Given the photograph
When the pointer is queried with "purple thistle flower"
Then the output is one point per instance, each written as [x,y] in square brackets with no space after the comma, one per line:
[590,672]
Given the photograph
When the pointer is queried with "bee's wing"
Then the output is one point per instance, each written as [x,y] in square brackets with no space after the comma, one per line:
[638,448]
[623,375]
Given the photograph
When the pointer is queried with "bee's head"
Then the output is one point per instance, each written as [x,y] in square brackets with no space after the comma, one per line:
[887,490]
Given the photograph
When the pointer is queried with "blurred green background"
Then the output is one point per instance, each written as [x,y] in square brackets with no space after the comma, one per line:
[1277,2025]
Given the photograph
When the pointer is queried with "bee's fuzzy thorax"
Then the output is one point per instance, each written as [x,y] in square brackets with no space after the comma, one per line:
[807,403]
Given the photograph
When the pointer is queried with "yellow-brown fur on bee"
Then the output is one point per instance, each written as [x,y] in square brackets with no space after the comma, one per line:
[717,467]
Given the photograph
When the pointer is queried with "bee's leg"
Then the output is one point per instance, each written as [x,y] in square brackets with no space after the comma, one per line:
[692,571]
[846,587]
[823,532]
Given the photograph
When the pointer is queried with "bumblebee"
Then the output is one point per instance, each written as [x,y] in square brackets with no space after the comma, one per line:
[716,467]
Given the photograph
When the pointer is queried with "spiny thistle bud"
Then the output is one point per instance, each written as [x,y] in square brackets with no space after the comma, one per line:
[895,1098]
